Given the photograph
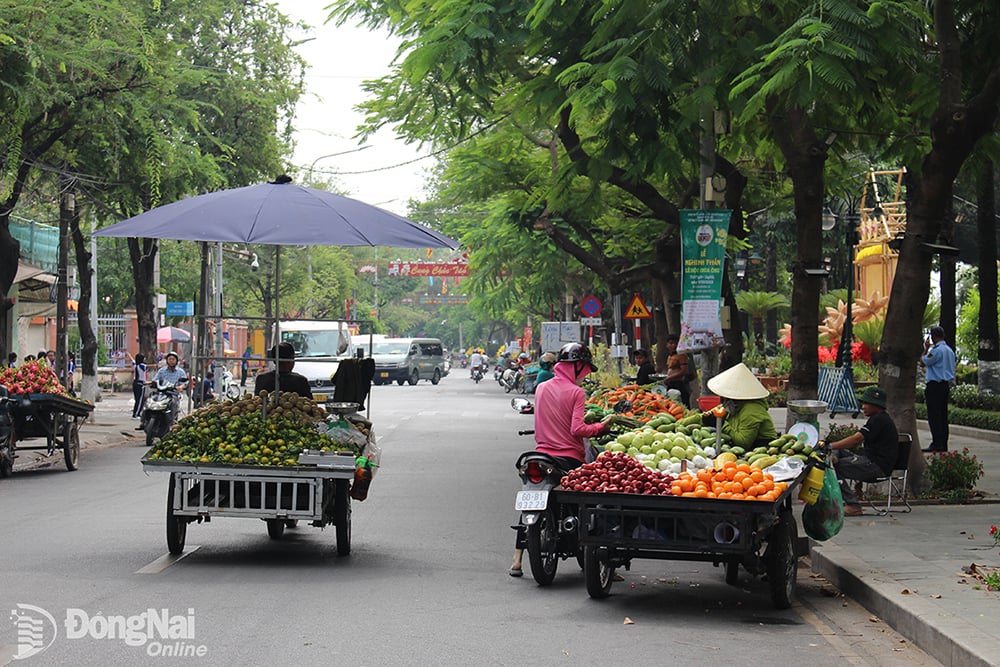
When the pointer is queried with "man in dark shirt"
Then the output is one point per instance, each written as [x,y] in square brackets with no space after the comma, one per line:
[877,457]
[289,381]
[645,367]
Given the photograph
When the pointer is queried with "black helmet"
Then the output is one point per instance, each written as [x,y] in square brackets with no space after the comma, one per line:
[579,353]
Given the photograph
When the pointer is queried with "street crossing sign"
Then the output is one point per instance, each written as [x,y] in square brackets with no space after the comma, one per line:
[637,310]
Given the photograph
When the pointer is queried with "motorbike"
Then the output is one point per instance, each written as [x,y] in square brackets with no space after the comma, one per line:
[477,373]
[498,373]
[550,529]
[513,379]
[160,411]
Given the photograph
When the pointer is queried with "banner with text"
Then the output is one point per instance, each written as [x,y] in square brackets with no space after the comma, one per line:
[429,269]
[703,256]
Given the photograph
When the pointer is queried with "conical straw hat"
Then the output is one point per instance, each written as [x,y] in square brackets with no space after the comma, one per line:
[737,383]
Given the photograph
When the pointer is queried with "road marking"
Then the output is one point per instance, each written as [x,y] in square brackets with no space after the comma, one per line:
[166,560]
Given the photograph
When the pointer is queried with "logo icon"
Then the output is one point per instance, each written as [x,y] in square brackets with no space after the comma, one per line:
[36,630]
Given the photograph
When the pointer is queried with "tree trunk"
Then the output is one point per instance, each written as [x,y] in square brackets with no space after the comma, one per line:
[10,250]
[88,336]
[771,285]
[989,337]
[805,158]
[946,266]
[142,252]
[955,127]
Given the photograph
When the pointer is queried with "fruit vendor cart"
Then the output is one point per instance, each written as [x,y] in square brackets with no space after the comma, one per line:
[317,491]
[761,536]
[54,417]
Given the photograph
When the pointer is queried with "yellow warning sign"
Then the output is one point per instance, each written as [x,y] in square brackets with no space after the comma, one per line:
[637,310]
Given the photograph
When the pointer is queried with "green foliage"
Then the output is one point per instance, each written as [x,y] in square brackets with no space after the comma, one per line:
[953,471]
[967,334]
[869,332]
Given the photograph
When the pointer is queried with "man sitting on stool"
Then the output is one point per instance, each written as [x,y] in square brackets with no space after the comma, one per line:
[876,459]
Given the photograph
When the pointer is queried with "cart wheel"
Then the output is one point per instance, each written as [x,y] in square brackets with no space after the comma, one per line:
[414,377]
[598,574]
[543,539]
[437,376]
[71,445]
[176,526]
[782,563]
[732,573]
[275,528]
[7,456]
[342,515]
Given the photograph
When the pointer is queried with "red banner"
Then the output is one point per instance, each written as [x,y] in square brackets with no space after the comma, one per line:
[429,269]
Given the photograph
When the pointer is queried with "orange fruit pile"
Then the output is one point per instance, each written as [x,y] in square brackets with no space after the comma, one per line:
[733,482]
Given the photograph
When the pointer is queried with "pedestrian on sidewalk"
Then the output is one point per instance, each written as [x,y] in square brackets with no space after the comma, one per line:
[939,360]
[138,384]
[881,447]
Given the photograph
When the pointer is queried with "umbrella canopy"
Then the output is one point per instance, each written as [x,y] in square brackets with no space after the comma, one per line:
[172,335]
[279,213]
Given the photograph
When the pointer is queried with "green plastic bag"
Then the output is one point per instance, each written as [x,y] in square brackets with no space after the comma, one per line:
[824,519]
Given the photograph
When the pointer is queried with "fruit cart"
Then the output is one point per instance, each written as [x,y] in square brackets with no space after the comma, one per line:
[317,490]
[54,417]
[761,536]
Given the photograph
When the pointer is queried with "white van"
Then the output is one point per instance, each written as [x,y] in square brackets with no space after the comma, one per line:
[319,347]
[409,360]
[365,342]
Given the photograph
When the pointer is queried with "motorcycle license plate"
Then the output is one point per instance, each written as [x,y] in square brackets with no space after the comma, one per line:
[531,500]
[383,375]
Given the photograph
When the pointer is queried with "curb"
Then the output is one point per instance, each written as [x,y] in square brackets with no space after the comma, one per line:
[920,620]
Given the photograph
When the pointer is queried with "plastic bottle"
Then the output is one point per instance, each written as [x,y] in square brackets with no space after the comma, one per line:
[362,478]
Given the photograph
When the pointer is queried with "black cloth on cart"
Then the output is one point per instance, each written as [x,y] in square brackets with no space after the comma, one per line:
[353,380]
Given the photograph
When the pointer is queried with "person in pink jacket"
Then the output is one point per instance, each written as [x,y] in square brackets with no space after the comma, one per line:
[559,426]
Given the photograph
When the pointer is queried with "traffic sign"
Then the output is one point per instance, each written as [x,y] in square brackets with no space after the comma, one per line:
[590,306]
[637,310]
[590,321]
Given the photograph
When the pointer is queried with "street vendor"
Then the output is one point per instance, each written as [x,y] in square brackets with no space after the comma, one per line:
[290,381]
[644,365]
[679,372]
[744,398]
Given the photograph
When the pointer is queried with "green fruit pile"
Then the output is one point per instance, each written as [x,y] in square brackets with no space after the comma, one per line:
[236,432]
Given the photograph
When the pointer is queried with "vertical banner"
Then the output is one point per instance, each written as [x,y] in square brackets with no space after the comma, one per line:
[703,256]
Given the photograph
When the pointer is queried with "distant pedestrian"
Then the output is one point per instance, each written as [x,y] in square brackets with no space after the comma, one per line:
[939,359]
[245,366]
[138,384]
[71,373]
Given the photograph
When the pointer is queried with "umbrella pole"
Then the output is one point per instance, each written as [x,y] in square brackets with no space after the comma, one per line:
[277,318]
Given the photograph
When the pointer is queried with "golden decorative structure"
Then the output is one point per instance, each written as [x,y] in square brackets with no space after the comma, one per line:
[881,221]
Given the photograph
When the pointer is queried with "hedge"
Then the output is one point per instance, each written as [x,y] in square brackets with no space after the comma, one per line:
[989,421]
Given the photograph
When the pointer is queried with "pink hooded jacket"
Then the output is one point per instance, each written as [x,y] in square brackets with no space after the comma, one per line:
[559,425]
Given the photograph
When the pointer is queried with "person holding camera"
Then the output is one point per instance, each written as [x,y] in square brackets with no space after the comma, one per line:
[939,360]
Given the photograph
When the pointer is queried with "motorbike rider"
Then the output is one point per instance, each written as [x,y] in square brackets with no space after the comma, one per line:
[476,360]
[545,364]
[175,375]
[559,426]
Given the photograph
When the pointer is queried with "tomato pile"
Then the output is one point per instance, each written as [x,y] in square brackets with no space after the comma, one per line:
[617,472]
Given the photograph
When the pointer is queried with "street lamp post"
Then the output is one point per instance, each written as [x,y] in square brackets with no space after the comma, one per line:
[844,355]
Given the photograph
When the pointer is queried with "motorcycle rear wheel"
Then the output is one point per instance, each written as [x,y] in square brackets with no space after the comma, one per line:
[543,541]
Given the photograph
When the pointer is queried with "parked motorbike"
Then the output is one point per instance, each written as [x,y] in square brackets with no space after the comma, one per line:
[160,411]
[551,530]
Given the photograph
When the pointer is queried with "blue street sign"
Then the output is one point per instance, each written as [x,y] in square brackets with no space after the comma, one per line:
[180,308]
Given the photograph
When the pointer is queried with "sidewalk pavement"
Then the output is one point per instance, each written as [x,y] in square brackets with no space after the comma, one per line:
[905,568]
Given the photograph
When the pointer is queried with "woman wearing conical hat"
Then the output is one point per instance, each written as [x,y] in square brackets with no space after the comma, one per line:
[747,421]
